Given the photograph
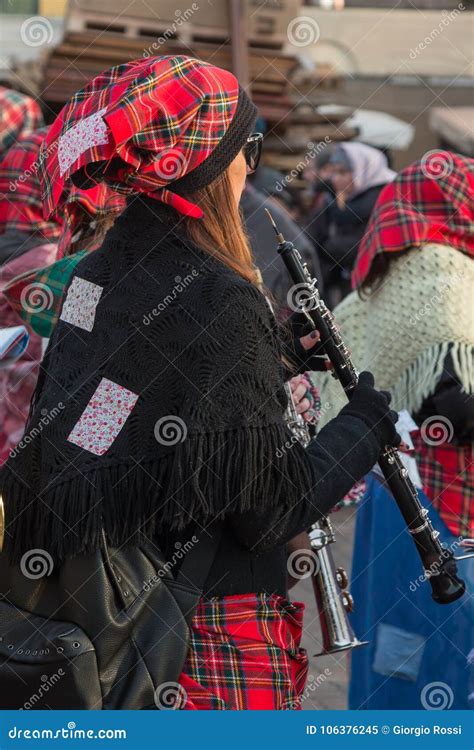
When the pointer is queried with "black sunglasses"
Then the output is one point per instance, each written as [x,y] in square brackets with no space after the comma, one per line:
[253,151]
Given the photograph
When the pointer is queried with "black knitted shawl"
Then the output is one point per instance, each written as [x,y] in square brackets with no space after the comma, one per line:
[160,400]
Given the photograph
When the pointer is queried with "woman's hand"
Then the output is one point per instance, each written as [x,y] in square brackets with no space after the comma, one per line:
[304,397]
[317,362]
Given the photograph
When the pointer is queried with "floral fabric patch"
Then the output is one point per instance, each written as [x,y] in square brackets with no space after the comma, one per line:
[103,417]
[89,132]
[80,303]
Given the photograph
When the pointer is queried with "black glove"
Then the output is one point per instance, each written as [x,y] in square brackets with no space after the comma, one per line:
[372,407]
[308,359]
[303,359]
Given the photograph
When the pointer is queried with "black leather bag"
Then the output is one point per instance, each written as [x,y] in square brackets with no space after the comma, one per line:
[103,631]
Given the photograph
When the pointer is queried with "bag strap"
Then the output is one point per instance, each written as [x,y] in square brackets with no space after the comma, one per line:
[198,561]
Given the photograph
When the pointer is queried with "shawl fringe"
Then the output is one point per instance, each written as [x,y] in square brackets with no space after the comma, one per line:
[205,477]
[420,379]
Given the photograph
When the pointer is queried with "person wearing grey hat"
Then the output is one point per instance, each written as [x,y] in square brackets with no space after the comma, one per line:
[356,175]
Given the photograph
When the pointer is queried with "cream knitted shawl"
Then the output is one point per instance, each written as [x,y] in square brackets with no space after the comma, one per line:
[402,333]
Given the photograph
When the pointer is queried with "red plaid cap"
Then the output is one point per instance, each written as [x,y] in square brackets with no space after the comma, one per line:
[142,126]
[432,200]
[20,115]
[21,205]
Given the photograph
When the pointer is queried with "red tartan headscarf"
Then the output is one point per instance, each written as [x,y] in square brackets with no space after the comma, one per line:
[432,200]
[20,115]
[21,204]
[147,126]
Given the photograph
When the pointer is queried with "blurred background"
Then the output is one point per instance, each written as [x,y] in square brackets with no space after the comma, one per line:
[395,74]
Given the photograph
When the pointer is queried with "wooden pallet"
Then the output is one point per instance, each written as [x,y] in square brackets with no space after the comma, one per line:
[114,48]
[83,55]
[260,32]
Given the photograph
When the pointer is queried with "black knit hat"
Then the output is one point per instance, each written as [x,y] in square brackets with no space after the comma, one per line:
[225,152]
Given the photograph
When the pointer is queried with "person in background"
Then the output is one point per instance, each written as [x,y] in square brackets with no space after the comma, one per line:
[411,318]
[20,115]
[353,176]
[28,242]
[317,174]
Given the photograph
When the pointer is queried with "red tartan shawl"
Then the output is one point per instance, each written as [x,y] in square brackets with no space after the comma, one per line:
[20,115]
[21,205]
[447,479]
[432,200]
[141,126]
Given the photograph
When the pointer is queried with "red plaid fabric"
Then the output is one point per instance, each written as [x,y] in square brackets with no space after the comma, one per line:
[18,381]
[21,205]
[245,655]
[20,115]
[432,200]
[448,481]
[140,126]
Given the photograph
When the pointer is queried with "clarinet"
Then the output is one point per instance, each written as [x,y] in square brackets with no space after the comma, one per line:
[333,601]
[438,562]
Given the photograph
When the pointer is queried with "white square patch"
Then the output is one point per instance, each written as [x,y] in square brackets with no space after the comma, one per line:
[103,417]
[85,134]
[80,304]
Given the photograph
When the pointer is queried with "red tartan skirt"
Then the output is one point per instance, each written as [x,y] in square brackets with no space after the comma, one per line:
[245,655]
[448,481]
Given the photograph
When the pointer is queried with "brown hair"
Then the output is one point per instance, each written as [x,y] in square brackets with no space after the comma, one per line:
[377,273]
[88,233]
[221,232]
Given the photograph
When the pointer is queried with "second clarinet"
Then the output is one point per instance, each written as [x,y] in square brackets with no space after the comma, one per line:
[438,563]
